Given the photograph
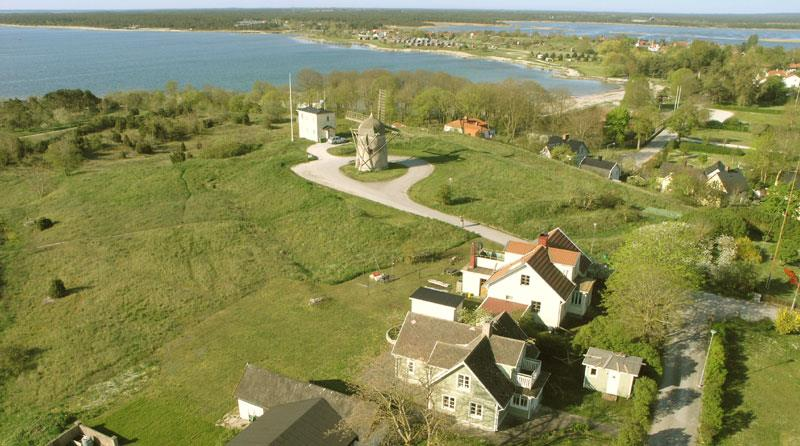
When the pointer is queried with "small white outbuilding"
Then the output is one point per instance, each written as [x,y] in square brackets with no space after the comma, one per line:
[435,303]
[610,373]
[315,123]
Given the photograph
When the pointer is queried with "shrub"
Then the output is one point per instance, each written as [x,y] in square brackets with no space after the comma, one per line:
[226,150]
[637,423]
[144,148]
[57,289]
[445,194]
[788,321]
[637,180]
[43,223]
[712,413]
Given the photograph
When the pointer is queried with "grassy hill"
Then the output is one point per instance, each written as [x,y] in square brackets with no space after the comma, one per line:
[180,274]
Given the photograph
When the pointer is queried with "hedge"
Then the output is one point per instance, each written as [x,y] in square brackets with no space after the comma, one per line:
[709,148]
[713,388]
[637,424]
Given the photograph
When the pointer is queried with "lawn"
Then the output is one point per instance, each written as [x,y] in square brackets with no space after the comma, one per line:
[763,386]
[162,259]
[395,170]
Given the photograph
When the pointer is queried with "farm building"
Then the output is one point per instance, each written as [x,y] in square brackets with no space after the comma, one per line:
[610,373]
[471,127]
[607,169]
[315,123]
[436,303]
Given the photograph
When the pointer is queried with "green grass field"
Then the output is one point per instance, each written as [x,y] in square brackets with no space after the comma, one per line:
[394,171]
[180,274]
[762,388]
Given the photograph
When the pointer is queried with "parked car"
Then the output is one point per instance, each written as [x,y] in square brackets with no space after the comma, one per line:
[338,140]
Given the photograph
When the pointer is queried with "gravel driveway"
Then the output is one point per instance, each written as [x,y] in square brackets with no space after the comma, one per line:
[325,171]
[677,411]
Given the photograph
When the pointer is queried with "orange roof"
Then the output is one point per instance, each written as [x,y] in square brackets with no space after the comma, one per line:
[780,73]
[563,256]
[520,248]
[498,306]
[471,126]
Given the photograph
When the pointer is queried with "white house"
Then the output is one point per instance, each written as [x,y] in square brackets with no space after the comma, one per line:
[545,278]
[610,373]
[316,123]
[435,303]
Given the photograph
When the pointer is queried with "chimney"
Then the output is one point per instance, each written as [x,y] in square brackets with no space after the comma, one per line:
[472,256]
[486,328]
[543,239]
[565,137]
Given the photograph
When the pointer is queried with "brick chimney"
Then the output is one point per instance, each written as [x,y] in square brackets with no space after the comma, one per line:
[472,262]
[486,328]
[543,239]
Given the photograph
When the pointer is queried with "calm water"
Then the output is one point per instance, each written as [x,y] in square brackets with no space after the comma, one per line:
[34,61]
[768,37]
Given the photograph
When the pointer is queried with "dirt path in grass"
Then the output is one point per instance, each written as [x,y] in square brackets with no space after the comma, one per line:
[394,193]
[678,407]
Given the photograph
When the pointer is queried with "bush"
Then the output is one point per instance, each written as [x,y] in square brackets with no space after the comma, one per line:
[445,194]
[686,146]
[637,180]
[637,423]
[224,150]
[788,321]
[43,223]
[57,289]
[712,413]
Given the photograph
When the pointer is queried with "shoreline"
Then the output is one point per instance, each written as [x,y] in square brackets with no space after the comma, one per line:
[510,23]
[556,71]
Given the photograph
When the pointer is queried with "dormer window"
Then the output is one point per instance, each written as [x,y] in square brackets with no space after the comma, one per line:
[463,382]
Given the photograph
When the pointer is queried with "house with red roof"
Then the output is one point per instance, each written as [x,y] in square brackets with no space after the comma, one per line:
[547,278]
[474,127]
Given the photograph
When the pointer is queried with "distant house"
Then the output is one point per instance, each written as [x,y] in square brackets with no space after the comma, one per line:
[315,123]
[546,279]
[790,77]
[728,181]
[478,374]
[470,126]
[667,172]
[439,303]
[298,410]
[578,148]
[610,373]
[607,169]
[79,433]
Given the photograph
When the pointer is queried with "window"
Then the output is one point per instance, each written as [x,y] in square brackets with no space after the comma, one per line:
[576,298]
[519,401]
[448,402]
[536,306]
[475,410]
[463,382]
[524,280]
[411,366]
[593,371]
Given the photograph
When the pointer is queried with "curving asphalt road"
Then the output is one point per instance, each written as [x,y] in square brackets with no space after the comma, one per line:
[325,171]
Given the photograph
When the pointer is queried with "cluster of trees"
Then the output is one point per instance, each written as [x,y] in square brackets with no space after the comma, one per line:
[724,74]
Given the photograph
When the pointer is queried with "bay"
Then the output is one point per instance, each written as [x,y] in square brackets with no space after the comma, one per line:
[34,61]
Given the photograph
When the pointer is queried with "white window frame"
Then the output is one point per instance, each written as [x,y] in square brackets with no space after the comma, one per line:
[411,366]
[463,382]
[524,280]
[536,306]
[449,407]
[593,371]
[475,410]
[519,401]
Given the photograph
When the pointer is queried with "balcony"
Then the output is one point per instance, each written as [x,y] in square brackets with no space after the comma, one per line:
[526,375]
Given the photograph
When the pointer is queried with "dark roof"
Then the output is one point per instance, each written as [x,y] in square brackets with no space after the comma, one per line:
[446,356]
[266,389]
[719,165]
[537,386]
[437,297]
[419,334]
[506,350]
[605,359]
[483,364]
[314,110]
[733,181]
[602,167]
[309,422]
[556,238]
[574,144]
[505,325]
[674,168]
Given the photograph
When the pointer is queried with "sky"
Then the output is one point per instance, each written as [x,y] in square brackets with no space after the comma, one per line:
[664,6]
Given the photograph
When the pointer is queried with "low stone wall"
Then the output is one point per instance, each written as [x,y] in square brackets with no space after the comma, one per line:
[77,431]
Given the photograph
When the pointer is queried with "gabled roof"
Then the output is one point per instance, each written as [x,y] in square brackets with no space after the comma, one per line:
[564,256]
[266,389]
[574,144]
[419,334]
[505,325]
[602,167]
[311,422]
[719,165]
[445,356]
[556,238]
[521,248]
[539,261]
[733,181]
[437,297]
[604,359]
[501,306]
[481,361]
[507,351]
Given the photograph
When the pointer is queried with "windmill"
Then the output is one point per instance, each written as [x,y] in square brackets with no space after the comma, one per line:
[370,137]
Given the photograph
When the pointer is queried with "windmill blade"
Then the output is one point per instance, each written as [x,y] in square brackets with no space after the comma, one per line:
[355,116]
[381,104]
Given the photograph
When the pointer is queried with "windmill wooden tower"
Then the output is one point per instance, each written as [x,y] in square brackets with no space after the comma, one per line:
[372,138]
